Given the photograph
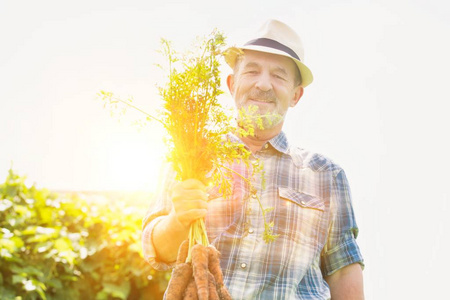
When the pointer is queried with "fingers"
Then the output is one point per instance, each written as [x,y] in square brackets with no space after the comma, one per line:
[189,200]
[187,217]
[193,184]
[181,205]
[184,194]
[190,189]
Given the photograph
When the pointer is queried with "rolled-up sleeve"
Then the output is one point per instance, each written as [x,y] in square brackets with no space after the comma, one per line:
[149,249]
[341,248]
[160,207]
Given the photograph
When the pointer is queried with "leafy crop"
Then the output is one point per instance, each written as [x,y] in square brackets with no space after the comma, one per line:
[54,247]
[197,126]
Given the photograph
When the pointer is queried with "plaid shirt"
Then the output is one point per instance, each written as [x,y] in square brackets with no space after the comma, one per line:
[312,214]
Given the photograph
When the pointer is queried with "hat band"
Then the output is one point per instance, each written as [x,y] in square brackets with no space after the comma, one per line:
[265,42]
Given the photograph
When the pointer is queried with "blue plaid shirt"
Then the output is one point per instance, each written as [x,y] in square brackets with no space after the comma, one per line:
[312,215]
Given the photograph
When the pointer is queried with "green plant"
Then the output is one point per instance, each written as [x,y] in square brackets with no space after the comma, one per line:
[54,247]
[197,126]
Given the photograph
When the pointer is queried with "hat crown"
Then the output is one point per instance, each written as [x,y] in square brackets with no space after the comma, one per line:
[283,34]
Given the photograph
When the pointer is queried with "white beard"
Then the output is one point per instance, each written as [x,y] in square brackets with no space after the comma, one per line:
[251,117]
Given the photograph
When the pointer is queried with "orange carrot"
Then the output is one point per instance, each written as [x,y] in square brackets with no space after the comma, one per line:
[200,270]
[214,268]
[214,265]
[178,281]
[213,295]
[191,290]
[224,294]
[183,252]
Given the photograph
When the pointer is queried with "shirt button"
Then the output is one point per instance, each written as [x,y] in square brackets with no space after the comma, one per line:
[251,230]
[303,202]
[266,146]
[254,196]
[243,265]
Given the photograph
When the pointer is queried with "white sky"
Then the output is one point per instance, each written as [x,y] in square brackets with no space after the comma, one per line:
[377,107]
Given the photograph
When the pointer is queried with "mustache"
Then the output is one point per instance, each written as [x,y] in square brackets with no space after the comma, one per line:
[262,95]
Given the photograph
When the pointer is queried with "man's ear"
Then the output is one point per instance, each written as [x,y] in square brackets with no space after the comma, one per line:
[230,83]
[297,95]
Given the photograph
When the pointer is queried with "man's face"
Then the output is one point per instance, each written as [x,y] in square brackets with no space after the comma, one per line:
[266,81]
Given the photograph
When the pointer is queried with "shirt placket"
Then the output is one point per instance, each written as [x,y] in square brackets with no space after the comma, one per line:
[253,228]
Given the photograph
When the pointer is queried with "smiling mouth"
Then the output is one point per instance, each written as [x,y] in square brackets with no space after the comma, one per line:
[262,100]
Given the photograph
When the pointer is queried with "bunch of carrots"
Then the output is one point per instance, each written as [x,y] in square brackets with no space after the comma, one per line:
[199,278]
[196,125]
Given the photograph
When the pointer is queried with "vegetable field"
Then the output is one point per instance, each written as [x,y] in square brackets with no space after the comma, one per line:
[71,246]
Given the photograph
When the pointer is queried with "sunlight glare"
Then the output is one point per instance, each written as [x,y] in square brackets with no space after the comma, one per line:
[134,163]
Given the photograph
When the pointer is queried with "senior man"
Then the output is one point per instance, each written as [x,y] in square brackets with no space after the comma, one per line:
[315,255]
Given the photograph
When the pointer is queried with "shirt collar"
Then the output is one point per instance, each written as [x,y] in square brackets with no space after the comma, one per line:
[279,142]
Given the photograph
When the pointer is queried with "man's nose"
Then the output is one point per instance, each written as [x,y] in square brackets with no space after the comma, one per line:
[263,82]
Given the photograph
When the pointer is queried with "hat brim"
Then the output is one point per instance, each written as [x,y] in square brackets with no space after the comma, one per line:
[232,53]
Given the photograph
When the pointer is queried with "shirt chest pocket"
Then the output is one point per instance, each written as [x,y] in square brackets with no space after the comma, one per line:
[299,216]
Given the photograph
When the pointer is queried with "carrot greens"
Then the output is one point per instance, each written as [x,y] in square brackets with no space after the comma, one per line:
[197,125]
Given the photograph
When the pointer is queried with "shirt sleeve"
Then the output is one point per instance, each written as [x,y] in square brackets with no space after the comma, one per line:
[341,248]
[160,207]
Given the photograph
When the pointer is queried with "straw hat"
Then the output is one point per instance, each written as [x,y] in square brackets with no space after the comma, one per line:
[277,38]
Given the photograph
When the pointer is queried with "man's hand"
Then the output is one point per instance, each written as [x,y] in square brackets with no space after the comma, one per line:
[347,283]
[189,200]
